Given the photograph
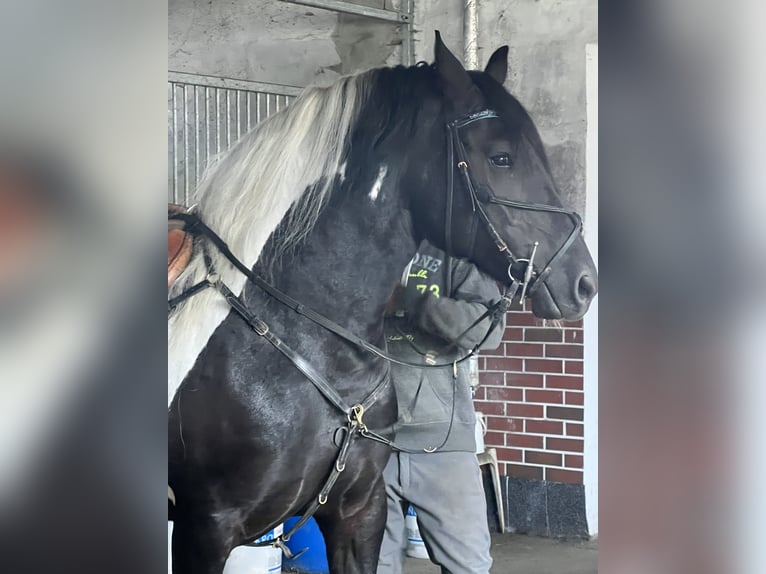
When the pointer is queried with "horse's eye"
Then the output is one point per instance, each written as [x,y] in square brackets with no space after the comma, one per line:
[501,160]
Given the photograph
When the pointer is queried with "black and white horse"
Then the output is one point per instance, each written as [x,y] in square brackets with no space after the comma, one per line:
[328,200]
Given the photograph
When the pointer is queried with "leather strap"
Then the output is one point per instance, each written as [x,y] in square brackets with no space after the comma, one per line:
[354,428]
[317,379]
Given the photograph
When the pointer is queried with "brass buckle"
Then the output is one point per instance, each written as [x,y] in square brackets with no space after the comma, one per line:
[261,328]
[357,412]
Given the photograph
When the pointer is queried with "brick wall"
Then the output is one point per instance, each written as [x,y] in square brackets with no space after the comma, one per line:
[532,395]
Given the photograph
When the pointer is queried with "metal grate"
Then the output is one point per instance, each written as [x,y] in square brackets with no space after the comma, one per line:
[206,115]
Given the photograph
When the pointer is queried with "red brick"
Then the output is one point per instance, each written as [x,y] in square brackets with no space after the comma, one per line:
[573,367]
[544,427]
[480,394]
[573,324]
[504,394]
[523,380]
[561,475]
[546,458]
[487,378]
[546,335]
[575,399]
[566,413]
[498,352]
[523,350]
[503,364]
[497,409]
[494,438]
[573,336]
[524,411]
[509,454]
[573,461]
[521,471]
[504,424]
[567,444]
[543,365]
[516,319]
[513,334]
[524,440]
[575,429]
[560,382]
[564,351]
[535,396]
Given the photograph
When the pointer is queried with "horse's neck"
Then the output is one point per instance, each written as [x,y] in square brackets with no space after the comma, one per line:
[348,265]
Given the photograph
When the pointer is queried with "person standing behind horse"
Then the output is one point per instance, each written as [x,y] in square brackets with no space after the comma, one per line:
[433,318]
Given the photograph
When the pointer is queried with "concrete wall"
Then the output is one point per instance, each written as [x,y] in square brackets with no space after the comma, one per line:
[271,41]
[547,40]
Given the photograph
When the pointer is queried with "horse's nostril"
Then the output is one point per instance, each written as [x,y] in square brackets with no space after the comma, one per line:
[586,287]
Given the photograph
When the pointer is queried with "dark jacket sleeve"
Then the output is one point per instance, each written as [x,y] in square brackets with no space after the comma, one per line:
[448,317]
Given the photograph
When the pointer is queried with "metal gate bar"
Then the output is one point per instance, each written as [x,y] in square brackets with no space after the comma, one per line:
[207,115]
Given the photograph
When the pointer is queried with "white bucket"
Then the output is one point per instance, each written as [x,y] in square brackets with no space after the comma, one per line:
[416,548]
[256,559]
[479,431]
[170,547]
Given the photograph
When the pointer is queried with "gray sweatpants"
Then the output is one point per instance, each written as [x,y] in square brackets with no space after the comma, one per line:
[446,491]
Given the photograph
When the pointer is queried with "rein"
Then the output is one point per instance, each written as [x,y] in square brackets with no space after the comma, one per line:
[196,226]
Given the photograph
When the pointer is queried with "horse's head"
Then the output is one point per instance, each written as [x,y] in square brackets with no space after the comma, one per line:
[496,203]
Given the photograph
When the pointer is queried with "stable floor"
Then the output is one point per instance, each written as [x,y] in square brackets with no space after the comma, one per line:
[518,554]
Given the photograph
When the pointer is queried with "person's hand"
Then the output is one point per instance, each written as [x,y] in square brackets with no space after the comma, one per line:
[411,300]
[392,306]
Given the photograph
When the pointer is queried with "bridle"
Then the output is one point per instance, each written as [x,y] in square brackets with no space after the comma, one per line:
[522,272]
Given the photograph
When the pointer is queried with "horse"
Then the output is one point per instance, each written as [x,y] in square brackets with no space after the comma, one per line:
[325,203]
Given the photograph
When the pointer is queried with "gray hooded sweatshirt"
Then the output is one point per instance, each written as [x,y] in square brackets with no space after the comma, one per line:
[425,320]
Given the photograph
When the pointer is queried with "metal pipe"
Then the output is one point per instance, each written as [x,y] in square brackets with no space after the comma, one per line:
[471,61]
[471,34]
[357,9]
[408,50]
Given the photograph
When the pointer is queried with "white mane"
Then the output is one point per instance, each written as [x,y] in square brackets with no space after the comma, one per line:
[289,160]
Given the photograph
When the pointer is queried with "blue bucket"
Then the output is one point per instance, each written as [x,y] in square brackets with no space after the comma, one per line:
[309,537]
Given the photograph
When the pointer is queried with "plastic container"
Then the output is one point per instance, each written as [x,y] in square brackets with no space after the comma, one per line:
[256,559]
[416,548]
[170,547]
[308,537]
[479,431]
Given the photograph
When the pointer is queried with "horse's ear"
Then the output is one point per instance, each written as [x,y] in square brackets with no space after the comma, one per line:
[497,67]
[458,85]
